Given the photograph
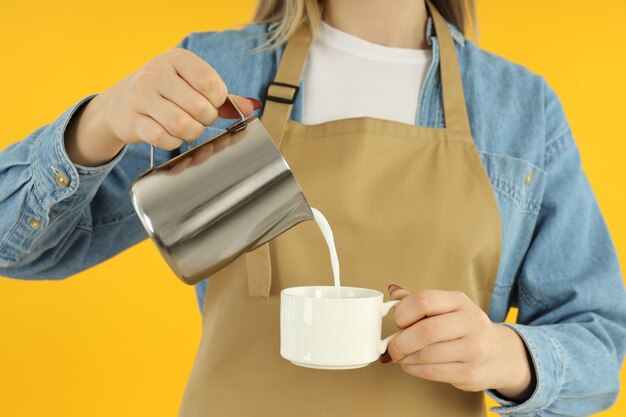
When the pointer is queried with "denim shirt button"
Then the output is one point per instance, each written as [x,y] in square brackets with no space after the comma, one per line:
[61,180]
[34,223]
[528,179]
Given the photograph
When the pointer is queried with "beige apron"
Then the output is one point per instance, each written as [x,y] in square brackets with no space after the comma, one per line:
[408,205]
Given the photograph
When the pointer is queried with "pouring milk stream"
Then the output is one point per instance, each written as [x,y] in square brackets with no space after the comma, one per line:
[324,227]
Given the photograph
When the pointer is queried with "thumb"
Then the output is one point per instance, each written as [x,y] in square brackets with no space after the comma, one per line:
[397,292]
[245,104]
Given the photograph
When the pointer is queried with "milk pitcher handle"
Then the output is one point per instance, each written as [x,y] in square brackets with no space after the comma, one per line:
[385,308]
[236,126]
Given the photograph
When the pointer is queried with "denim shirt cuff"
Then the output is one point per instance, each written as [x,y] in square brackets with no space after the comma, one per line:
[49,159]
[546,359]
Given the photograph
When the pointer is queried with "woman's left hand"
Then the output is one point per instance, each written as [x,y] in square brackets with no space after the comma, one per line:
[445,337]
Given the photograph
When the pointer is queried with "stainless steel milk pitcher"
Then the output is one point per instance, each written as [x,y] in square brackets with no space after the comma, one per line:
[207,206]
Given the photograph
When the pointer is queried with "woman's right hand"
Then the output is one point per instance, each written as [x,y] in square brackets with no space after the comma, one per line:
[167,101]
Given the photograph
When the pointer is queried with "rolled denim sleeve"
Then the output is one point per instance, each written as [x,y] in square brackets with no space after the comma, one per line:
[42,200]
[59,218]
[570,294]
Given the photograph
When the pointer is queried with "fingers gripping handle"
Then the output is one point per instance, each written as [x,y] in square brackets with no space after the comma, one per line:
[235,126]
[384,310]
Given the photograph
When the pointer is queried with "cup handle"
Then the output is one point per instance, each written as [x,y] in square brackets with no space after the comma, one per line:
[384,310]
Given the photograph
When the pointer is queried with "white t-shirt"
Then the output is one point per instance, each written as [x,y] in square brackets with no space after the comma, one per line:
[345,76]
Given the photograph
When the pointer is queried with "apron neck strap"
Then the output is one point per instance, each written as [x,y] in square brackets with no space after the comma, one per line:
[281,93]
[455,110]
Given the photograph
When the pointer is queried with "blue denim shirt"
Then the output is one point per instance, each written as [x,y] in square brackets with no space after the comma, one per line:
[558,263]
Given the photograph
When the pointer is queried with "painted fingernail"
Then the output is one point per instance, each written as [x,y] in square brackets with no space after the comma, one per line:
[392,287]
[255,103]
[385,358]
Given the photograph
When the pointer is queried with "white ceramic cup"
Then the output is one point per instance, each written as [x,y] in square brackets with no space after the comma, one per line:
[323,328]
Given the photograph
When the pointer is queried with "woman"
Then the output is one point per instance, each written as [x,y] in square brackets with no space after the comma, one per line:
[441,167]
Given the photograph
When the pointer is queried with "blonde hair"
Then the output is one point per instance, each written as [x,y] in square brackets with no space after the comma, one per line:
[289,14]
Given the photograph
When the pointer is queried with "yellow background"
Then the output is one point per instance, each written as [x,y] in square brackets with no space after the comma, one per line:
[119,339]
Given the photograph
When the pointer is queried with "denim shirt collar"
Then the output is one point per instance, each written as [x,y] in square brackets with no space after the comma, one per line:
[457,36]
